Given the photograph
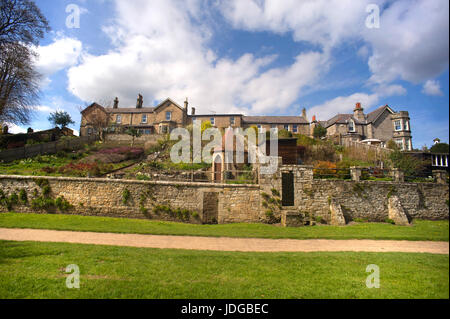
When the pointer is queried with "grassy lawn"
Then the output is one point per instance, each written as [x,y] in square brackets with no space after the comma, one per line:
[37,270]
[420,230]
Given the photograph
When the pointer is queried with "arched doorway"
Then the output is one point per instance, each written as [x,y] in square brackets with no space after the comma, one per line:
[217,168]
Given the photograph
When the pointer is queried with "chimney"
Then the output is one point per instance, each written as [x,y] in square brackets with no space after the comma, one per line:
[304,114]
[116,103]
[193,111]
[314,119]
[358,112]
[140,102]
[186,105]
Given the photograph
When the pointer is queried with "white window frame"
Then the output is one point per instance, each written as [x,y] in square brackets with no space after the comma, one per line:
[294,128]
[232,120]
[168,116]
[286,127]
[400,143]
[144,118]
[119,119]
[399,127]
[351,126]
[406,125]
[213,121]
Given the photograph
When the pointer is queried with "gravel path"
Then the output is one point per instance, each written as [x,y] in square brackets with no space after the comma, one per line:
[223,243]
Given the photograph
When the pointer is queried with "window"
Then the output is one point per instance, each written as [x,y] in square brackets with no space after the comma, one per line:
[398,125]
[351,126]
[406,125]
[232,121]
[144,118]
[90,131]
[119,119]
[168,116]
[286,127]
[147,132]
[399,143]
[194,119]
[213,121]
[273,126]
[259,127]
[295,128]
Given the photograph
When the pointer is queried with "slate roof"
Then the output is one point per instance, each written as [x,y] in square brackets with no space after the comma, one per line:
[274,120]
[130,110]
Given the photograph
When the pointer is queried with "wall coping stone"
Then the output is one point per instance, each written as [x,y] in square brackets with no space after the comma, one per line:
[128,181]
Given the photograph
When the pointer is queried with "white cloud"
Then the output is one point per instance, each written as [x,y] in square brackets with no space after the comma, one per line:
[343,104]
[161,50]
[44,109]
[411,43]
[432,87]
[15,129]
[62,53]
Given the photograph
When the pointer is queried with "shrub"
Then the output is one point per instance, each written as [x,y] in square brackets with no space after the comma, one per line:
[125,196]
[23,196]
[389,221]
[62,204]
[319,131]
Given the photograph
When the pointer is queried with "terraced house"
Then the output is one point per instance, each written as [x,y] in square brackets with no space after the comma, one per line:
[376,127]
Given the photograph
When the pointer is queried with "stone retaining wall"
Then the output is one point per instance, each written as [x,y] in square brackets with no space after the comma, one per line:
[104,197]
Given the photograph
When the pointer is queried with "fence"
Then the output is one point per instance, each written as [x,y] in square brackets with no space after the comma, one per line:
[45,148]
[228,177]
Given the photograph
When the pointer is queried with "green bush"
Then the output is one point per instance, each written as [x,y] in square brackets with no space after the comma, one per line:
[125,196]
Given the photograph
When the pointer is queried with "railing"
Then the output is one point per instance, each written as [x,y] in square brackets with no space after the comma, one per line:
[419,178]
[45,148]
[376,174]
[332,173]
[226,177]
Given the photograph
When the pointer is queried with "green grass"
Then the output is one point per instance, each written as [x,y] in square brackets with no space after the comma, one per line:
[421,230]
[37,270]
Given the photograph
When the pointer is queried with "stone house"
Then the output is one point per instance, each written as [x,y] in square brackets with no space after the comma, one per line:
[377,127]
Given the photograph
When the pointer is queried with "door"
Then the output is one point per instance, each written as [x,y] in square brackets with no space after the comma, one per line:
[218,169]
[287,189]
[210,208]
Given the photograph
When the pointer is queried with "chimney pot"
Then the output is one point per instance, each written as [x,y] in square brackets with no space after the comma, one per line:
[358,105]
[116,103]
[186,104]
[193,111]
[314,119]
[140,102]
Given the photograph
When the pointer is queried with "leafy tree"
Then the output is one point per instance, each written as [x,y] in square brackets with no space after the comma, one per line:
[284,133]
[61,118]
[392,145]
[134,133]
[407,163]
[440,148]
[21,26]
[319,131]
[205,125]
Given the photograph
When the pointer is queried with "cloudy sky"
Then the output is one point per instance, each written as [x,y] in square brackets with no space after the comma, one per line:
[270,57]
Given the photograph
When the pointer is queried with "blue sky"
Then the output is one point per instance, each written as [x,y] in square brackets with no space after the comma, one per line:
[250,56]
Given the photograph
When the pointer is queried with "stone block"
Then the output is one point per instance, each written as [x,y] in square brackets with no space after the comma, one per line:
[396,211]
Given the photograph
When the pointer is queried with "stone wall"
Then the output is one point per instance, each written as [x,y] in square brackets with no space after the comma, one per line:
[365,199]
[104,197]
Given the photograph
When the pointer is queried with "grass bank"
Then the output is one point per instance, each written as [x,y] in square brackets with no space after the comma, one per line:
[420,230]
[37,270]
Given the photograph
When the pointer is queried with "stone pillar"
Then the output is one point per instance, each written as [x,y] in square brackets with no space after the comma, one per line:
[398,175]
[440,176]
[356,173]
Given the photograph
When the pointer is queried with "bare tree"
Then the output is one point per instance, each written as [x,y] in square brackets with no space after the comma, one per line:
[19,84]
[21,25]
[21,21]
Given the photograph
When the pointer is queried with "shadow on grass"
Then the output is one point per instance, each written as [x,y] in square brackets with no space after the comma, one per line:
[17,250]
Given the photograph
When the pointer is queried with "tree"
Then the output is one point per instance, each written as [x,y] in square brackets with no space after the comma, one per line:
[205,125]
[21,21]
[440,148]
[21,26]
[61,118]
[134,133]
[319,131]
[407,163]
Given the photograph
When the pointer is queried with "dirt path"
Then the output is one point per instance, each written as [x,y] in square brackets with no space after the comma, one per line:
[223,243]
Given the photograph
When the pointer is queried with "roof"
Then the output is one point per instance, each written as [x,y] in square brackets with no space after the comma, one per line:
[341,119]
[274,120]
[213,115]
[130,110]
[373,116]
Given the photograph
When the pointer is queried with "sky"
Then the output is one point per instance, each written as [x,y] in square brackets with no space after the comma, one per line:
[256,57]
